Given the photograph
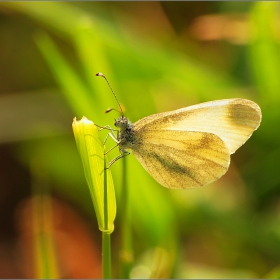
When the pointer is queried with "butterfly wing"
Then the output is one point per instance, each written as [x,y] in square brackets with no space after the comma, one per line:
[182,159]
[233,120]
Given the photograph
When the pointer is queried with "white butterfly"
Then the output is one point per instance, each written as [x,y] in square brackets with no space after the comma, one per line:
[189,147]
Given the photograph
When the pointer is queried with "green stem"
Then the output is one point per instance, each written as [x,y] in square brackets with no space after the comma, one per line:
[105,197]
[106,237]
[126,249]
[106,255]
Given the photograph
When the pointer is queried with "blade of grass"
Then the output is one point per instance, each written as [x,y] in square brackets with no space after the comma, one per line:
[106,237]
[74,89]
[44,242]
[100,184]
[126,251]
[91,150]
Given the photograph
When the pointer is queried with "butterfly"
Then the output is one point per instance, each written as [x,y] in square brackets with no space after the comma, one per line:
[188,147]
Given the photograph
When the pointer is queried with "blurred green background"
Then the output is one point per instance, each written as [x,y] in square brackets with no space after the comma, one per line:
[158,56]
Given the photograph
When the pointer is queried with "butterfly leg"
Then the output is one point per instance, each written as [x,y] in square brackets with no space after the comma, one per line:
[124,153]
[111,149]
[108,127]
[115,139]
[113,136]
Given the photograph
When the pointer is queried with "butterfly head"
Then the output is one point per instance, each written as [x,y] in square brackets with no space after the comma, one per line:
[122,123]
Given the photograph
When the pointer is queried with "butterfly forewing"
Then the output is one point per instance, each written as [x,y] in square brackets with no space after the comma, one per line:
[182,159]
[233,120]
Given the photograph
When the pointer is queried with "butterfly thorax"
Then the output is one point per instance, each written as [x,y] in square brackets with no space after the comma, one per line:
[126,135]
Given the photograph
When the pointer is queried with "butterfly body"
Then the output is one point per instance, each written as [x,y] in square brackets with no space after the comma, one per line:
[126,135]
[190,147]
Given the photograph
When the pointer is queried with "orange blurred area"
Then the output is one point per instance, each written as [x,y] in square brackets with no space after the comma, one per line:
[77,252]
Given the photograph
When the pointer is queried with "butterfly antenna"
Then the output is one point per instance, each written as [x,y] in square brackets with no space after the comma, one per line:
[102,75]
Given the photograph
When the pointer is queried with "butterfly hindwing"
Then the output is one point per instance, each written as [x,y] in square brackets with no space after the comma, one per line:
[182,159]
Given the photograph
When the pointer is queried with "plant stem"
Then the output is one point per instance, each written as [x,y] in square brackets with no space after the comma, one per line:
[106,255]
[106,237]
[126,246]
